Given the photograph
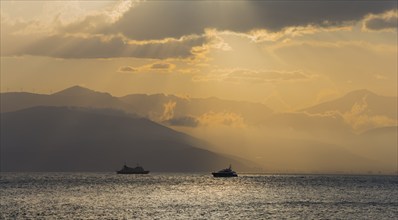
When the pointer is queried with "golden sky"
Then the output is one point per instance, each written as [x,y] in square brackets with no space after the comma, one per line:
[287,55]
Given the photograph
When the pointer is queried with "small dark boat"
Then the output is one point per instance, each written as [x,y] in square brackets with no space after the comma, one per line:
[129,170]
[227,172]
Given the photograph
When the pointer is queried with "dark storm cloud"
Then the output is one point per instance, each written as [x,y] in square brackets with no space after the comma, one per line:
[381,23]
[162,19]
[96,47]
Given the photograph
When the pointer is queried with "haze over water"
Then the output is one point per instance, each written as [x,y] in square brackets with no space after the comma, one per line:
[196,196]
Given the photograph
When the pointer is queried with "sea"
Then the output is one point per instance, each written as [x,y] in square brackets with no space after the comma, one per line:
[196,196]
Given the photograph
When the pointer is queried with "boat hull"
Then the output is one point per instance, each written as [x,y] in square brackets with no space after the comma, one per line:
[123,172]
[224,174]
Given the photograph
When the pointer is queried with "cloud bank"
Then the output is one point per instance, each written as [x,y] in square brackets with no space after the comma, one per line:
[180,29]
[164,19]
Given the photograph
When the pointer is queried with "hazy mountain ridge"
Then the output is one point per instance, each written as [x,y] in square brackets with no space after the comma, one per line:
[357,130]
[13,101]
[360,109]
[381,143]
[73,96]
[365,101]
[381,131]
[153,106]
[71,139]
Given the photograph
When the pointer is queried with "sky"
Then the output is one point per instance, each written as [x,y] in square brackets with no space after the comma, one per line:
[285,54]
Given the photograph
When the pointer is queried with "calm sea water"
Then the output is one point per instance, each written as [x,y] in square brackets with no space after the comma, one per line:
[196,196]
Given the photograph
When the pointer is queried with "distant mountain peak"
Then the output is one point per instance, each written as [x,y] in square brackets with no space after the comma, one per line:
[76,90]
[376,105]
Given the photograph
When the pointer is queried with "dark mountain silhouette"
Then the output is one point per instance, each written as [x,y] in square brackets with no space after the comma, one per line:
[78,90]
[369,102]
[81,139]
[73,96]
[13,101]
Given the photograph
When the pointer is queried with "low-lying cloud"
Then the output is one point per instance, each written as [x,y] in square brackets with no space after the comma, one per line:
[168,111]
[252,76]
[75,47]
[187,121]
[127,69]
[161,66]
[264,76]
[229,119]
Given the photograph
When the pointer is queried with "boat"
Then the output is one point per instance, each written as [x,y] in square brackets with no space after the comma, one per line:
[129,170]
[227,172]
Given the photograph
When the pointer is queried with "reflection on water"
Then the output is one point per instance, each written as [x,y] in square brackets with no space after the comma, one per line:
[198,196]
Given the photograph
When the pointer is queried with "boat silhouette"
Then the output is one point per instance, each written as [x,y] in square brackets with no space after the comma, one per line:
[130,170]
[227,172]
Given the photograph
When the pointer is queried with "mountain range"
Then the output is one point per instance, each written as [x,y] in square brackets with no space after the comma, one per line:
[181,111]
[355,132]
[157,107]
